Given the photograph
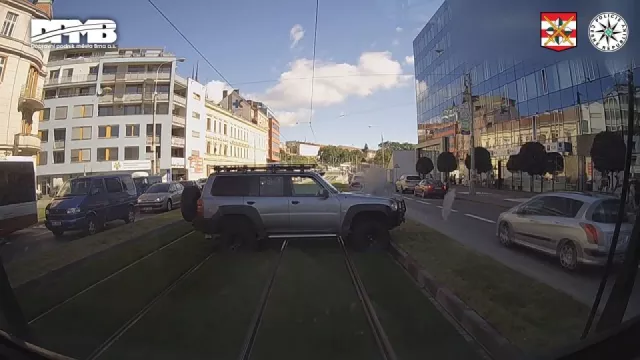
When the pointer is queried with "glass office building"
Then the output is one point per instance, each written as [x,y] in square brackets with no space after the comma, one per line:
[561,104]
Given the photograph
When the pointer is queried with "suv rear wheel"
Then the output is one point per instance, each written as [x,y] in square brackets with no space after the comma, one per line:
[238,234]
[369,234]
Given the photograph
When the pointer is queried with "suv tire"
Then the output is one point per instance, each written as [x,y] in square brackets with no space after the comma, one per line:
[238,234]
[189,202]
[369,234]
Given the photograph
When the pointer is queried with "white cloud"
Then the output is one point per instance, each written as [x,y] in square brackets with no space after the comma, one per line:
[334,82]
[215,88]
[292,118]
[296,34]
[408,60]
[399,29]
[395,42]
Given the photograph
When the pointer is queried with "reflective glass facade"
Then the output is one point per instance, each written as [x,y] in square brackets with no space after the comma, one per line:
[515,100]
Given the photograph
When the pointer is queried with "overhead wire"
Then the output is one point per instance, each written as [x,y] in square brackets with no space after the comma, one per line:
[313,69]
[189,42]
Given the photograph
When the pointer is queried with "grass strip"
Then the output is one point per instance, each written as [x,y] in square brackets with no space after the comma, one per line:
[78,327]
[313,311]
[42,294]
[532,315]
[414,326]
[32,266]
[206,317]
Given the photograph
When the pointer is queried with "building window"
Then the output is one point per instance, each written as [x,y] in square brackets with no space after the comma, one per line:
[82,111]
[43,135]
[196,96]
[80,155]
[9,24]
[108,131]
[81,133]
[132,109]
[208,147]
[133,89]
[45,114]
[109,70]
[41,158]
[195,134]
[107,154]
[105,110]
[150,129]
[132,153]
[3,64]
[162,109]
[208,124]
[61,112]
[136,69]
[195,115]
[132,130]
[225,129]
[58,157]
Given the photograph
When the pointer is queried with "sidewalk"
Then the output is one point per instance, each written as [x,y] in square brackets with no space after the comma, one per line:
[501,198]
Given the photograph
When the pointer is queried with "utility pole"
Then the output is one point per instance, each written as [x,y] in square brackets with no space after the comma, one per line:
[382,145]
[472,147]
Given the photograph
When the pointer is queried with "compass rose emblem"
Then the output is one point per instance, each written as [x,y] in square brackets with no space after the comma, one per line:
[608,32]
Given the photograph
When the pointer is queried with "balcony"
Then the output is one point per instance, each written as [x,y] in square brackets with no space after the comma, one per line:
[177,162]
[180,80]
[31,98]
[71,79]
[180,100]
[57,60]
[26,144]
[177,141]
[179,120]
[150,140]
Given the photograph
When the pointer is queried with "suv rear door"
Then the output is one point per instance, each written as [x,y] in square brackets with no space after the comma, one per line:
[267,195]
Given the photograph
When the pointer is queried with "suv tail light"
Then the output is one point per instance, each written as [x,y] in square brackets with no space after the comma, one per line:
[200,208]
[429,187]
[591,232]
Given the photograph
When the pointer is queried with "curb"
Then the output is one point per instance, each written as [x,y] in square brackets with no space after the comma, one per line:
[498,347]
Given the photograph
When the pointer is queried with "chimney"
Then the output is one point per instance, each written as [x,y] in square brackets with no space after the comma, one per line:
[224,93]
[45,6]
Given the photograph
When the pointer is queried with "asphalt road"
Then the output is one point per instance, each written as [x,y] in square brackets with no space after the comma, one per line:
[38,238]
[474,225]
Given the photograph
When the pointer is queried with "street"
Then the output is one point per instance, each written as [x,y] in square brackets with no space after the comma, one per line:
[474,225]
[37,238]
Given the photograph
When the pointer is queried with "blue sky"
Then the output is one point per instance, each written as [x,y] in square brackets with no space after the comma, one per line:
[252,44]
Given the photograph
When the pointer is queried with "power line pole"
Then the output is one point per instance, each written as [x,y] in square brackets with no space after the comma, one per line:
[472,148]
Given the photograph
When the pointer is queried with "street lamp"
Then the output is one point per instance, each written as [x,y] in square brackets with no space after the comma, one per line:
[154,166]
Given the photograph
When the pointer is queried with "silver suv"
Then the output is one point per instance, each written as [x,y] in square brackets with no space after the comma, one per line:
[248,204]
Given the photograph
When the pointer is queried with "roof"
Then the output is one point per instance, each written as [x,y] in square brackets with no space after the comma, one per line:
[583,196]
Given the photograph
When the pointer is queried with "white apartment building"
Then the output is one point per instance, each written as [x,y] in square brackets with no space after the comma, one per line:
[220,138]
[99,114]
[22,71]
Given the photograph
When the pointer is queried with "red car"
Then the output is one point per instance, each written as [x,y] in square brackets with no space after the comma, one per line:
[430,188]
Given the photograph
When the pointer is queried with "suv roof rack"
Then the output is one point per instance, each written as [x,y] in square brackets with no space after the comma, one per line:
[268,168]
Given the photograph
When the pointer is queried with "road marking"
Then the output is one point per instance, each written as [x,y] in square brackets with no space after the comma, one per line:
[424,202]
[480,218]
[440,207]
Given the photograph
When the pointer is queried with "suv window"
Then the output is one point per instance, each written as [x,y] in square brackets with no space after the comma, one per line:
[128,185]
[113,185]
[230,185]
[98,184]
[271,186]
[305,186]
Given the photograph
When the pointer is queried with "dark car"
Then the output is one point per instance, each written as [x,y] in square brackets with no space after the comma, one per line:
[87,203]
[430,188]
[187,183]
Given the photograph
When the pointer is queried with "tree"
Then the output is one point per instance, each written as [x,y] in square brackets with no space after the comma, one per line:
[608,153]
[554,163]
[365,148]
[447,163]
[513,164]
[533,159]
[482,160]
[389,147]
[424,166]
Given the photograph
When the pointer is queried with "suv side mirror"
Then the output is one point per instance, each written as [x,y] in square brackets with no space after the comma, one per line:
[324,194]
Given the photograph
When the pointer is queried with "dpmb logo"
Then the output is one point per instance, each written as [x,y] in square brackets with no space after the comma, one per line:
[50,33]
[559,30]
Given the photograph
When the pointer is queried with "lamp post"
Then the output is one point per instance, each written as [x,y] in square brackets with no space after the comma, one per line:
[154,162]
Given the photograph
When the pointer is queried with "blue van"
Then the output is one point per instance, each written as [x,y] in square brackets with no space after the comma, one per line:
[87,203]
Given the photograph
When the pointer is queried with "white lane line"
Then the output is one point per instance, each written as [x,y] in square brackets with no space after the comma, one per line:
[440,207]
[480,218]
[424,202]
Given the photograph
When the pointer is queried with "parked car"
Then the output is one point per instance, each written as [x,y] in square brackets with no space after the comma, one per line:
[187,183]
[357,183]
[248,206]
[430,188]
[87,203]
[575,227]
[406,183]
[162,196]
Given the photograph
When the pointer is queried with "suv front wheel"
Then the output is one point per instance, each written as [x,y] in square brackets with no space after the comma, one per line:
[369,234]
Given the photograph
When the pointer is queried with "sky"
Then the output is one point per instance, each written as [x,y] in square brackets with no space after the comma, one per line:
[363,89]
